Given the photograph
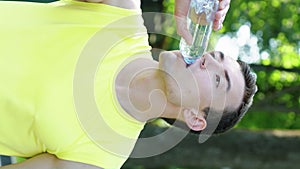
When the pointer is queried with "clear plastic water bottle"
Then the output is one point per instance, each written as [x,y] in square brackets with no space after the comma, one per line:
[199,23]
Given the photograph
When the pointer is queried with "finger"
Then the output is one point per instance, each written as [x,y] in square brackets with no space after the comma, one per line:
[181,11]
[182,30]
[223,9]
[218,26]
[222,12]
[220,17]
[218,22]
[181,8]
[223,4]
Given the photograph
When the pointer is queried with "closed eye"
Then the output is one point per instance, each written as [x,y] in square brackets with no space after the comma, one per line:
[218,79]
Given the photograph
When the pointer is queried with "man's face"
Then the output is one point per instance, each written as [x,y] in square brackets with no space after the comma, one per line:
[214,80]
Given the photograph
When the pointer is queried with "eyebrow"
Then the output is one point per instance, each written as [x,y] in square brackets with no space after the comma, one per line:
[228,80]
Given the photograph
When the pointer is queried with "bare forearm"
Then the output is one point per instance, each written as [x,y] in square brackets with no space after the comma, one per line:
[48,161]
[45,161]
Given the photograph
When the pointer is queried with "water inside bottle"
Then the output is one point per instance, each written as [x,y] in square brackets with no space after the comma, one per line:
[197,48]
[199,21]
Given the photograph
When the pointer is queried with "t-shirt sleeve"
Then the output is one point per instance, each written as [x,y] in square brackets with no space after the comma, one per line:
[87,151]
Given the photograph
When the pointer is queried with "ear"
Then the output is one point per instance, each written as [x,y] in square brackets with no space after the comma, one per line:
[194,119]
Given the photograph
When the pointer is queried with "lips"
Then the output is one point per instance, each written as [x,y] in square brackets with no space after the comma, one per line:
[201,60]
[210,56]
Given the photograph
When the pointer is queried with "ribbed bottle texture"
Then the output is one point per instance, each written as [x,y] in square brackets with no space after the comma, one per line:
[199,24]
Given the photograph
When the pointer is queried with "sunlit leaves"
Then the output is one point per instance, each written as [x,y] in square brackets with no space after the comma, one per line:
[275,120]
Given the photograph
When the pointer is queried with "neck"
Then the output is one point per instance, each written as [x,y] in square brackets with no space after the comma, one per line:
[141,92]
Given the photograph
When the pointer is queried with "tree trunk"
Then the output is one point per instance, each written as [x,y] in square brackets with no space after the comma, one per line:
[237,149]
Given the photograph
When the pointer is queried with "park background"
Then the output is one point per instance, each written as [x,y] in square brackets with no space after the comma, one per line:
[266,34]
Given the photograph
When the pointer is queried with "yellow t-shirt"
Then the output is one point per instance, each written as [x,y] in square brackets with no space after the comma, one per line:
[58,63]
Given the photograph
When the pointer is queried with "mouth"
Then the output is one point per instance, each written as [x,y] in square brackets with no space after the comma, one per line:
[190,62]
[187,65]
[202,59]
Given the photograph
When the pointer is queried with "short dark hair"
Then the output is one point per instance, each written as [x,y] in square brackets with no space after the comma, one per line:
[230,117]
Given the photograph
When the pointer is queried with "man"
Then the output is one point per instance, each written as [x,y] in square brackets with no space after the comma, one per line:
[47,71]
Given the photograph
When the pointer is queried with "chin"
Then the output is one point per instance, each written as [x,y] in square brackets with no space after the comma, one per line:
[172,90]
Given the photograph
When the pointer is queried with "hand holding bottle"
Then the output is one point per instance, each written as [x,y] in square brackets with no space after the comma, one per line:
[181,11]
